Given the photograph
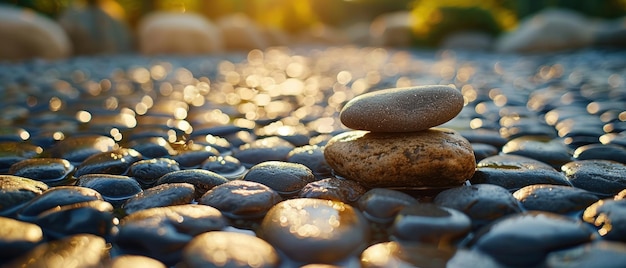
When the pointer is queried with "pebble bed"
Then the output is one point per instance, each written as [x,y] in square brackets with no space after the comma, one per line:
[209,161]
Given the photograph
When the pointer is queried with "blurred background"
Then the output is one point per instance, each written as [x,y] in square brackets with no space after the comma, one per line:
[207,26]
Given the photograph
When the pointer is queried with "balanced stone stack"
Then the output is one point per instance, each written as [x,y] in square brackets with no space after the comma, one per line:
[396,144]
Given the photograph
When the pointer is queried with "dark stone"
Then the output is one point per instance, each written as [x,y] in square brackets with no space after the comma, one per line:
[169,194]
[13,152]
[332,188]
[115,189]
[600,253]
[17,238]
[240,199]
[609,216]
[550,151]
[514,172]
[52,171]
[287,179]
[114,162]
[554,198]
[601,151]
[266,149]
[202,180]
[431,224]
[15,192]
[311,156]
[78,148]
[483,203]
[226,166]
[381,205]
[81,250]
[147,172]
[602,177]
[526,239]
[483,150]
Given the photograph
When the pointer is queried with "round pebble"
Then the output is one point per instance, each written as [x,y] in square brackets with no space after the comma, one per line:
[115,189]
[596,254]
[554,198]
[81,250]
[229,249]
[602,177]
[430,158]
[148,171]
[431,224]
[332,188]
[114,162]
[609,216]
[15,192]
[311,156]
[202,180]
[241,199]
[550,151]
[287,179]
[262,150]
[402,109]
[17,238]
[525,239]
[52,171]
[77,149]
[382,205]
[483,203]
[601,151]
[315,230]
[226,166]
[514,172]
[163,195]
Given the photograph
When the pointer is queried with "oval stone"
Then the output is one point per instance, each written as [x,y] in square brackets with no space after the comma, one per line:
[402,109]
[315,230]
[436,157]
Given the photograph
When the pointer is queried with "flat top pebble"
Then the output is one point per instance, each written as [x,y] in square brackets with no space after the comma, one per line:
[402,109]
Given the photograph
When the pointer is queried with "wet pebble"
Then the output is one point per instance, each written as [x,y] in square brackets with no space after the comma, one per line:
[57,197]
[525,239]
[333,188]
[193,155]
[311,156]
[602,177]
[240,199]
[554,198]
[17,238]
[287,179]
[115,189]
[81,250]
[148,171]
[202,180]
[381,205]
[115,162]
[483,203]
[125,261]
[601,152]
[405,255]
[266,149]
[430,224]
[163,195]
[609,217]
[514,172]
[15,192]
[430,158]
[78,148]
[92,217]
[596,254]
[152,147]
[311,230]
[162,233]
[52,171]
[13,152]
[402,109]
[229,249]
[550,151]
[226,166]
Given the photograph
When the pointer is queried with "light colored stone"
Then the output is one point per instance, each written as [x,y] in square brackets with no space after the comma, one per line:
[178,33]
[240,33]
[431,158]
[392,29]
[26,35]
[93,30]
[549,30]
[402,109]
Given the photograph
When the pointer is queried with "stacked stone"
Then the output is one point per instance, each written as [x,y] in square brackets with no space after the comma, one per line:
[395,141]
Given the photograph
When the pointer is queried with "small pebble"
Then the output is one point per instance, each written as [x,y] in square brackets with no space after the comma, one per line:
[287,179]
[430,224]
[229,249]
[15,192]
[311,156]
[514,172]
[202,180]
[550,151]
[602,177]
[266,149]
[382,205]
[609,217]
[163,195]
[525,239]
[148,171]
[81,250]
[115,189]
[602,152]
[314,230]
[402,109]
[52,171]
[483,203]
[226,166]
[600,253]
[114,162]
[17,238]
[554,198]
[240,199]
[332,188]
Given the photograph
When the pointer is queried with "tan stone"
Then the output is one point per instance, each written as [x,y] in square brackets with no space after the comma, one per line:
[437,157]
